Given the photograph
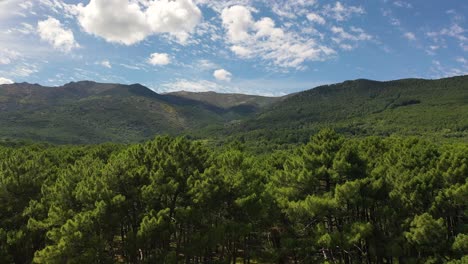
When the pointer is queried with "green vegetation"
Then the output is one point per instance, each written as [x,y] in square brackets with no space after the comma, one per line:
[248,184]
[229,100]
[90,113]
[415,107]
[173,200]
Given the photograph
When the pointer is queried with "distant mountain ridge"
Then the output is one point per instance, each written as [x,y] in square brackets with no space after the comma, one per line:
[90,112]
[228,100]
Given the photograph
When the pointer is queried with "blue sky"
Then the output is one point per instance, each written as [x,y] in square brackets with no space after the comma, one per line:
[268,47]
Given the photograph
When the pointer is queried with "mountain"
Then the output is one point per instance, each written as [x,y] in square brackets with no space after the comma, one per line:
[229,100]
[90,112]
[436,108]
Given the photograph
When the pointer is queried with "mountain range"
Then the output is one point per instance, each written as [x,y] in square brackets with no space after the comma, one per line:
[89,112]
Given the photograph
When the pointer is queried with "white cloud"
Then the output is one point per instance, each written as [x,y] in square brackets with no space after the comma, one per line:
[393,20]
[286,49]
[159,59]
[431,50]
[461,60]
[136,20]
[205,64]
[192,86]
[316,18]
[219,6]
[454,31]
[265,87]
[106,63]
[409,36]
[8,56]
[403,4]
[440,71]
[177,18]
[131,67]
[290,8]
[357,34]
[5,81]
[346,47]
[12,8]
[59,7]
[24,70]
[237,20]
[266,28]
[340,12]
[240,51]
[127,26]
[4,60]
[51,30]
[22,28]
[222,75]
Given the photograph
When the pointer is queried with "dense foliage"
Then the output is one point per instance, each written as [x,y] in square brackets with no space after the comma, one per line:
[172,200]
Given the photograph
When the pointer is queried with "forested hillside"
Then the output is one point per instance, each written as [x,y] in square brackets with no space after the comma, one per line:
[172,200]
[89,112]
[434,108]
[226,100]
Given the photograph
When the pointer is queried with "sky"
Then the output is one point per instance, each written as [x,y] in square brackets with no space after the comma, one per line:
[265,47]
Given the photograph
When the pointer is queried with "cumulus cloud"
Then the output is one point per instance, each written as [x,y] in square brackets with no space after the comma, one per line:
[241,51]
[316,18]
[5,81]
[222,75]
[127,26]
[159,59]
[177,18]
[341,12]
[136,20]
[249,38]
[237,20]
[52,31]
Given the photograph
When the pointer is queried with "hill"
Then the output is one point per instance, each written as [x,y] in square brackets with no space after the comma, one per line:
[437,108]
[89,112]
[229,100]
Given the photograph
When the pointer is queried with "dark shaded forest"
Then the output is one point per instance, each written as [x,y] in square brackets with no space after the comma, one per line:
[174,200]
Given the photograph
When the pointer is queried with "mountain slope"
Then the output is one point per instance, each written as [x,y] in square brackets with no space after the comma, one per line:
[364,107]
[89,112]
[228,100]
